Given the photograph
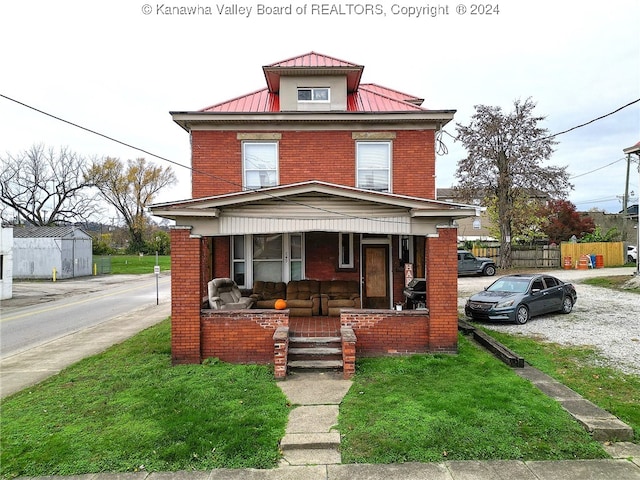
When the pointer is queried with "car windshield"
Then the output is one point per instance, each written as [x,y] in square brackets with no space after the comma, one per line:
[516,285]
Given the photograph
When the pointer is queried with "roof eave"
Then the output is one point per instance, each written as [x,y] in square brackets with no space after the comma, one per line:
[189,120]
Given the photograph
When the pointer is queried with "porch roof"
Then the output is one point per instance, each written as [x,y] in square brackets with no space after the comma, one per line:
[312,206]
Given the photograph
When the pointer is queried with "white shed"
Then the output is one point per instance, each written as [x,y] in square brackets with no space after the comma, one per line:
[6,262]
[38,250]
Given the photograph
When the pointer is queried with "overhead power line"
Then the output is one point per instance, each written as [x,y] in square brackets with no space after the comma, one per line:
[573,128]
[594,120]
[173,162]
[596,169]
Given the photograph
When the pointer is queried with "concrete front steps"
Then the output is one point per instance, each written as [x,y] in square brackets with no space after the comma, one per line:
[315,353]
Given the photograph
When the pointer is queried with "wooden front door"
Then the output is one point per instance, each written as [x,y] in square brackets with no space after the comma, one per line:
[375,291]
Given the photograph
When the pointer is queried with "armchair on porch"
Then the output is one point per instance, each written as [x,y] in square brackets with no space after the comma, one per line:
[224,294]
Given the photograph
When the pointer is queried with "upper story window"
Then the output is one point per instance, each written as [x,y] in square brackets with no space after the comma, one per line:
[373,166]
[320,95]
[260,164]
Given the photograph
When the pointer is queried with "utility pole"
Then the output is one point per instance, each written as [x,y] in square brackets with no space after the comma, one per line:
[635,150]
[625,200]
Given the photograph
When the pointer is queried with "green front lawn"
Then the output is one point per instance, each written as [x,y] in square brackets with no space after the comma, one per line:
[128,409]
[581,369]
[428,408]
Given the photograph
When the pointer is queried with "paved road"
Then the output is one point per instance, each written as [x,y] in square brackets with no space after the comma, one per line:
[44,311]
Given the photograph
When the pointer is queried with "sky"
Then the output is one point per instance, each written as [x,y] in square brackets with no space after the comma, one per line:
[119,67]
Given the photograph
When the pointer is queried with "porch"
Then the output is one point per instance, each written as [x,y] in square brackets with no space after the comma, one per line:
[319,233]
[272,336]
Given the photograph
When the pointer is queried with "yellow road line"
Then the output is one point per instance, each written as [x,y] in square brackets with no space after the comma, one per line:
[79,302]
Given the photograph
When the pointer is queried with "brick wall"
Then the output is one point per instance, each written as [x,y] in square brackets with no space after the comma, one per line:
[216,159]
[388,332]
[442,289]
[321,257]
[222,255]
[327,156]
[241,336]
[186,296]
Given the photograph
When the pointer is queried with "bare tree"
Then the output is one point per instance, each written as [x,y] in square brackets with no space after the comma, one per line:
[505,152]
[130,190]
[44,186]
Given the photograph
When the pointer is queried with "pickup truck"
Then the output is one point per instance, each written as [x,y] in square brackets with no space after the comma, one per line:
[469,264]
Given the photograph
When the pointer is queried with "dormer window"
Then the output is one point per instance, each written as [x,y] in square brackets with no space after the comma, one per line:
[320,95]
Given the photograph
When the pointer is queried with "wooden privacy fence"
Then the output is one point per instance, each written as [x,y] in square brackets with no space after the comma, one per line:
[533,257]
[613,253]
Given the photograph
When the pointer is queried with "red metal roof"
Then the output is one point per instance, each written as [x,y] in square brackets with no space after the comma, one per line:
[392,93]
[363,100]
[260,101]
[360,97]
[313,59]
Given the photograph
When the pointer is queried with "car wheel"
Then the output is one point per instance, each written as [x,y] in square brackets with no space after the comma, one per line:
[630,259]
[489,270]
[567,305]
[522,315]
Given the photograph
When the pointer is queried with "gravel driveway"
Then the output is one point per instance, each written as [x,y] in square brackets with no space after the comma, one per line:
[606,319]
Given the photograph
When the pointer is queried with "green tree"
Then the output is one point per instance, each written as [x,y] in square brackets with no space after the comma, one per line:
[159,241]
[611,235]
[526,224]
[130,189]
[505,152]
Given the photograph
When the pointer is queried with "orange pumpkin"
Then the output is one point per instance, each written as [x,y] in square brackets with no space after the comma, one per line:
[280,304]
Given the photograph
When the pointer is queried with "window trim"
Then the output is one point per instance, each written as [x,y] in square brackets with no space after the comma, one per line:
[313,91]
[244,165]
[351,263]
[389,145]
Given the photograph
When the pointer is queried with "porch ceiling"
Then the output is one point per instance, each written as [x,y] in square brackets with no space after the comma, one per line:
[312,206]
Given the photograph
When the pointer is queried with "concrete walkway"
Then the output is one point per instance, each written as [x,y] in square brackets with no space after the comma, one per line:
[310,437]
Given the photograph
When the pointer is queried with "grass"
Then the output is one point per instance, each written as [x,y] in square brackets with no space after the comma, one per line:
[128,409]
[614,282]
[135,264]
[427,408]
[583,370]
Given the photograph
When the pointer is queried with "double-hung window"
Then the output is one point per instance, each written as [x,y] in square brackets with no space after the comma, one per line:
[260,164]
[373,166]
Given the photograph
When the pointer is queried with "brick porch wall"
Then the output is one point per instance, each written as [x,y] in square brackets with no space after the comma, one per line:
[186,296]
[388,332]
[442,289]
[241,336]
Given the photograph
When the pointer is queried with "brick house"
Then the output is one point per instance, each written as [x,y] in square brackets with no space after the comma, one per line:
[316,176]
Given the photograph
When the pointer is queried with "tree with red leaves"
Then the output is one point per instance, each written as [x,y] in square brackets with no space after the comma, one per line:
[562,221]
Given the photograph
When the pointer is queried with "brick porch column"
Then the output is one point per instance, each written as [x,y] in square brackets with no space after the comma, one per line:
[441,260]
[185,296]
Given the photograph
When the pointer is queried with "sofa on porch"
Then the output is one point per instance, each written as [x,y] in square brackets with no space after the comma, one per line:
[338,294]
[307,298]
[265,294]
